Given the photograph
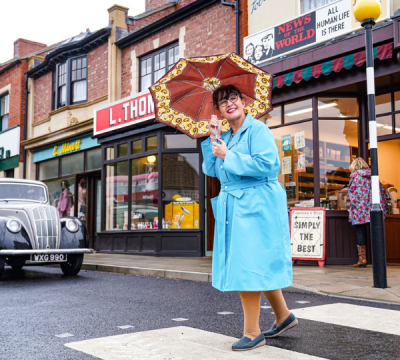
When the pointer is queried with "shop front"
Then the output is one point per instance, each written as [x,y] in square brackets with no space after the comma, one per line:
[71,169]
[320,124]
[152,196]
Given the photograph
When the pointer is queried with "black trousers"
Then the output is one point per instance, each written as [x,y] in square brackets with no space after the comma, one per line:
[361,231]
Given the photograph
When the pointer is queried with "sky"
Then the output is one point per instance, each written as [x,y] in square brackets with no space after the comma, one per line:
[51,21]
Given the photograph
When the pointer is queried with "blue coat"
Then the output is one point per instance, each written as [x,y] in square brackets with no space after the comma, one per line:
[251,243]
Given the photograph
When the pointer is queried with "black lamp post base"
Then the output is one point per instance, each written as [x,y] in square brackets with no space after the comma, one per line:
[378,247]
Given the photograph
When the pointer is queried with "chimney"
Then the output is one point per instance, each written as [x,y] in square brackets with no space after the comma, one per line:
[23,47]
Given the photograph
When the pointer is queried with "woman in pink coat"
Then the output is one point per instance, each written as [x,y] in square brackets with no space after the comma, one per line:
[359,194]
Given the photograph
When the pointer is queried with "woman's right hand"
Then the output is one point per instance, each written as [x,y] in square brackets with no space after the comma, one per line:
[215,128]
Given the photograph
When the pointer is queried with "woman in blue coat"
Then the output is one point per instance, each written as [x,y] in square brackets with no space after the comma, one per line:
[252,252]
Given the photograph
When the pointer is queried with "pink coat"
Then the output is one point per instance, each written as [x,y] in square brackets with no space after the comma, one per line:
[360,196]
[64,204]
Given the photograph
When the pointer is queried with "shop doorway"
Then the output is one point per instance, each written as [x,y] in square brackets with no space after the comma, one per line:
[389,175]
[87,203]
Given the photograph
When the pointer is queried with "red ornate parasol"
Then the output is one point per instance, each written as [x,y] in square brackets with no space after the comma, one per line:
[183,96]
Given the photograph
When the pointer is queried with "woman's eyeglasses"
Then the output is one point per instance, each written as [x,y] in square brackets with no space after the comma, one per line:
[232,98]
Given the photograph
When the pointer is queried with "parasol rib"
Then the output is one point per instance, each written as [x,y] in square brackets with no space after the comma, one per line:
[188,94]
[220,66]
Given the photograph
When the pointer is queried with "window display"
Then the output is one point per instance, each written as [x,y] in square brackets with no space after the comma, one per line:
[295,147]
[180,189]
[338,147]
[116,195]
[61,193]
[144,213]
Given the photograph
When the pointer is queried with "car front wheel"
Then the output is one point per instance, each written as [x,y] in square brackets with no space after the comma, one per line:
[17,263]
[2,265]
[73,265]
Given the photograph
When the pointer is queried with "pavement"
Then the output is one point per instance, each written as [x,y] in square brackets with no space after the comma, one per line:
[330,280]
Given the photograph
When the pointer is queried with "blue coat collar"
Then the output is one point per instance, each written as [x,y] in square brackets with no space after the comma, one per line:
[248,120]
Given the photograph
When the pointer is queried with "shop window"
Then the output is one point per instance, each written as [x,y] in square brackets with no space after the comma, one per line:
[173,141]
[338,147]
[137,146]
[384,125]
[4,109]
[309,5]
[397,123]
[144,213]
[335,107]
[61,194]
[70,82]
[295,148]
[122,150]
[10,173]
[72,164]
[383,104]
[110,153]
[296,111]
[180,188]
[274,117]
[48,169]
[116,207]
[151,143]
[93,159]
[397,101]
[154,65]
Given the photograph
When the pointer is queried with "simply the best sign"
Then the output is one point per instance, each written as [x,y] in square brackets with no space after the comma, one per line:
[307,234]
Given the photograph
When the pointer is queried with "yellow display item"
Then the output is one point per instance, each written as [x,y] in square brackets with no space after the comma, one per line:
[182,215]
[367,9]
[176,197]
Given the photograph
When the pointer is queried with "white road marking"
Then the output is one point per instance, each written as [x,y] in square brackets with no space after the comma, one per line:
[359,317]
[180,319]
[302,302]
[225,313]
[125,326]
[64,335]
[265,307]
[179,342]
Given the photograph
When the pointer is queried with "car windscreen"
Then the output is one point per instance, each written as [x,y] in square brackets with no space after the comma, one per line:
[22,192]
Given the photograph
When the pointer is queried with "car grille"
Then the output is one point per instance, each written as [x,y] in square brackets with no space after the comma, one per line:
[46,227]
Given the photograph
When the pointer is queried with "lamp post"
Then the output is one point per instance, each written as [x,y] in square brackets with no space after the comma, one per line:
[366,12]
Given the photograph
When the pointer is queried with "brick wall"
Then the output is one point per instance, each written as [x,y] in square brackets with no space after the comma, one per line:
[98,72]
[159,14]
[208,32]
[23,47]
[42,97]
[16,78]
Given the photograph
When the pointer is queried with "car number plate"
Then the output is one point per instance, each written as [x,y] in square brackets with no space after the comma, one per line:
[48,257]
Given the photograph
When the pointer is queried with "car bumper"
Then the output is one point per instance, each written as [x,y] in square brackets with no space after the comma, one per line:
[46,251]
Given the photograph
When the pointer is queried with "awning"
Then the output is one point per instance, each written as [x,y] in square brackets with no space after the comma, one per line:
[381,52]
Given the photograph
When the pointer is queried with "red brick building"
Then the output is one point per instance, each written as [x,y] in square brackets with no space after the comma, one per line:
[164,213]
[12,104]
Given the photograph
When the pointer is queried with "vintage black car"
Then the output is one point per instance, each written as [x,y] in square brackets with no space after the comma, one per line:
[31,229]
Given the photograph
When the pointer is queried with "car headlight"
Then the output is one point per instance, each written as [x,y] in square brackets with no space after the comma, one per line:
[72,225]
[14,226]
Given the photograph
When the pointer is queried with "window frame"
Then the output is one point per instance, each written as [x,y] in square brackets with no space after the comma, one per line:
[69,83]
[152,56]
[7,114]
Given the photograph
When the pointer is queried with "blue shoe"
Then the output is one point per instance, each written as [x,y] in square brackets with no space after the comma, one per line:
[290,322]
[246,343]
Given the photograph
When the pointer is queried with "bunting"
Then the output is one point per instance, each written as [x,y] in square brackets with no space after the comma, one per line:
[347,62]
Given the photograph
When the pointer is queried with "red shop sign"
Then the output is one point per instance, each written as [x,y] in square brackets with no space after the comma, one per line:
[124,112]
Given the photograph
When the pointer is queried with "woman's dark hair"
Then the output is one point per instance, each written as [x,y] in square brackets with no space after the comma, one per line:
[223,92]
[66,183]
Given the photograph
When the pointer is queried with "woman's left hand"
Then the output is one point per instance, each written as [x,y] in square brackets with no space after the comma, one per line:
[219,150]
